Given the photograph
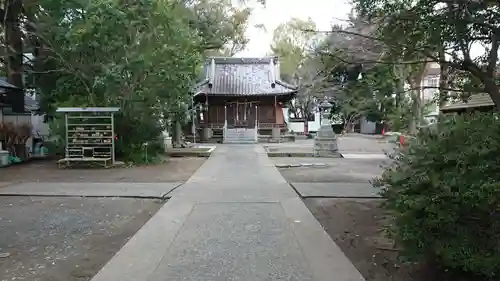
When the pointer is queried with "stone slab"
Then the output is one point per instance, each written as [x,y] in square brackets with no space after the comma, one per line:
[326,259]
[230,193]
[5,183]
[235,241]
[297,165]
[88,189]
[144,251]
[337,189]
[364,156]
[234,219]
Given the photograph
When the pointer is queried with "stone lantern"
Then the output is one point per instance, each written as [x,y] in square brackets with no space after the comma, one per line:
[325,142]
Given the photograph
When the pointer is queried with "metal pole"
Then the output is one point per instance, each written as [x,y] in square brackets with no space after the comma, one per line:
[256,117]
[193,129]
[193,126]
[67,135]
[113,138]
[256,125]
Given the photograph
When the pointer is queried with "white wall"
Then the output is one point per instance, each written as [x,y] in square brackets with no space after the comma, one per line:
[298,127]
[39,127]
[367,127]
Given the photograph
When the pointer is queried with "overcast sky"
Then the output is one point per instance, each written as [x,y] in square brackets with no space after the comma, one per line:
[323,13]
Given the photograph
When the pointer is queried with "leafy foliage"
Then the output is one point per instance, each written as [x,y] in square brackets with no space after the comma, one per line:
[141,57]
[446,32]
[293,44]
[444,192]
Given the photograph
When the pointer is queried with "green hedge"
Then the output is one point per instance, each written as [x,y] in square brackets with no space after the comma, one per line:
[444,191]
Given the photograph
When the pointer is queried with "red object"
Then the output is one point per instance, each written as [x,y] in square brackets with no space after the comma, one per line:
[401,140]
[383,131]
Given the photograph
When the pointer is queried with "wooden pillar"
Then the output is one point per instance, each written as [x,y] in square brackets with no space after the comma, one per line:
[275,115]
[206,109]
[256,117]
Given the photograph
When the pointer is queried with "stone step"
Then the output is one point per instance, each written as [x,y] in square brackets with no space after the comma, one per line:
[239,142]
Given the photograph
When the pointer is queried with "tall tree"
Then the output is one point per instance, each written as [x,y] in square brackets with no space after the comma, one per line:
[140,56]
[445,32]
[293,44]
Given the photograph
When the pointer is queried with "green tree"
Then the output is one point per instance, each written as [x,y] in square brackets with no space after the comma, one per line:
[140,56]
[292,43]
[443,32]
[221,25]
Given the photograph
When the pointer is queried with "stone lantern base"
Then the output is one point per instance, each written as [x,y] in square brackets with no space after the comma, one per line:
[325,143]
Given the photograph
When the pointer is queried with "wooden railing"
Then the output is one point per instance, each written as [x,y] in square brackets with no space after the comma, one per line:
[210,125]
[270,125]
[260,125]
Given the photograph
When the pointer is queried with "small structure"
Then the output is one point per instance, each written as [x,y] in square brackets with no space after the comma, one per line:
[11,96]
[241,98]
[90,135]
[325,142]
[15,122]
[475,102]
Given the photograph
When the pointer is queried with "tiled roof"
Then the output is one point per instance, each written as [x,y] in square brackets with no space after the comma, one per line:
[474,101]
[243,77]
[6,85]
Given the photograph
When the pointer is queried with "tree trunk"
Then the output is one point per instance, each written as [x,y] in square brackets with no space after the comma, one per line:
[415,111]
[177,133]
[443,79]
[415,81]
[492,89]
[14,50]
[399,82]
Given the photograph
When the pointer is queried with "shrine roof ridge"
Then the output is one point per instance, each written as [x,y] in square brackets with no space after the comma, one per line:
[242,60]
[243,77]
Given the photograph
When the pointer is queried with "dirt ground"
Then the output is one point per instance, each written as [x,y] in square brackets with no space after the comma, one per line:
[174,170]
[65,239]
[357,226]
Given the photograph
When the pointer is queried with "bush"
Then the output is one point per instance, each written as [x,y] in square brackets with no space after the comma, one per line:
[444,191]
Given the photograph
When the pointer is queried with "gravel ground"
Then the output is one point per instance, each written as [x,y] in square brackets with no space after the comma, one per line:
[176,169]
[65,239]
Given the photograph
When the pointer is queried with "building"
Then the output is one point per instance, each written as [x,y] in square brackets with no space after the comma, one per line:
[475,102]
[11,96]
[430,83]
[241,98]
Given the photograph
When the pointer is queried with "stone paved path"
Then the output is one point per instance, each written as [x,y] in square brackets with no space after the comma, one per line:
[235,219]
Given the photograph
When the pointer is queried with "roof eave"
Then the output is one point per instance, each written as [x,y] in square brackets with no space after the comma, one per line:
[240,95]
[464,107]
[199,85]
[287,85]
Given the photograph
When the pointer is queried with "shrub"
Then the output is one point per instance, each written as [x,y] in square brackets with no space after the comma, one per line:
[444,191]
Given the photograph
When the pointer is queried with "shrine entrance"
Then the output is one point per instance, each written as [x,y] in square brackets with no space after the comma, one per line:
[241,114]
